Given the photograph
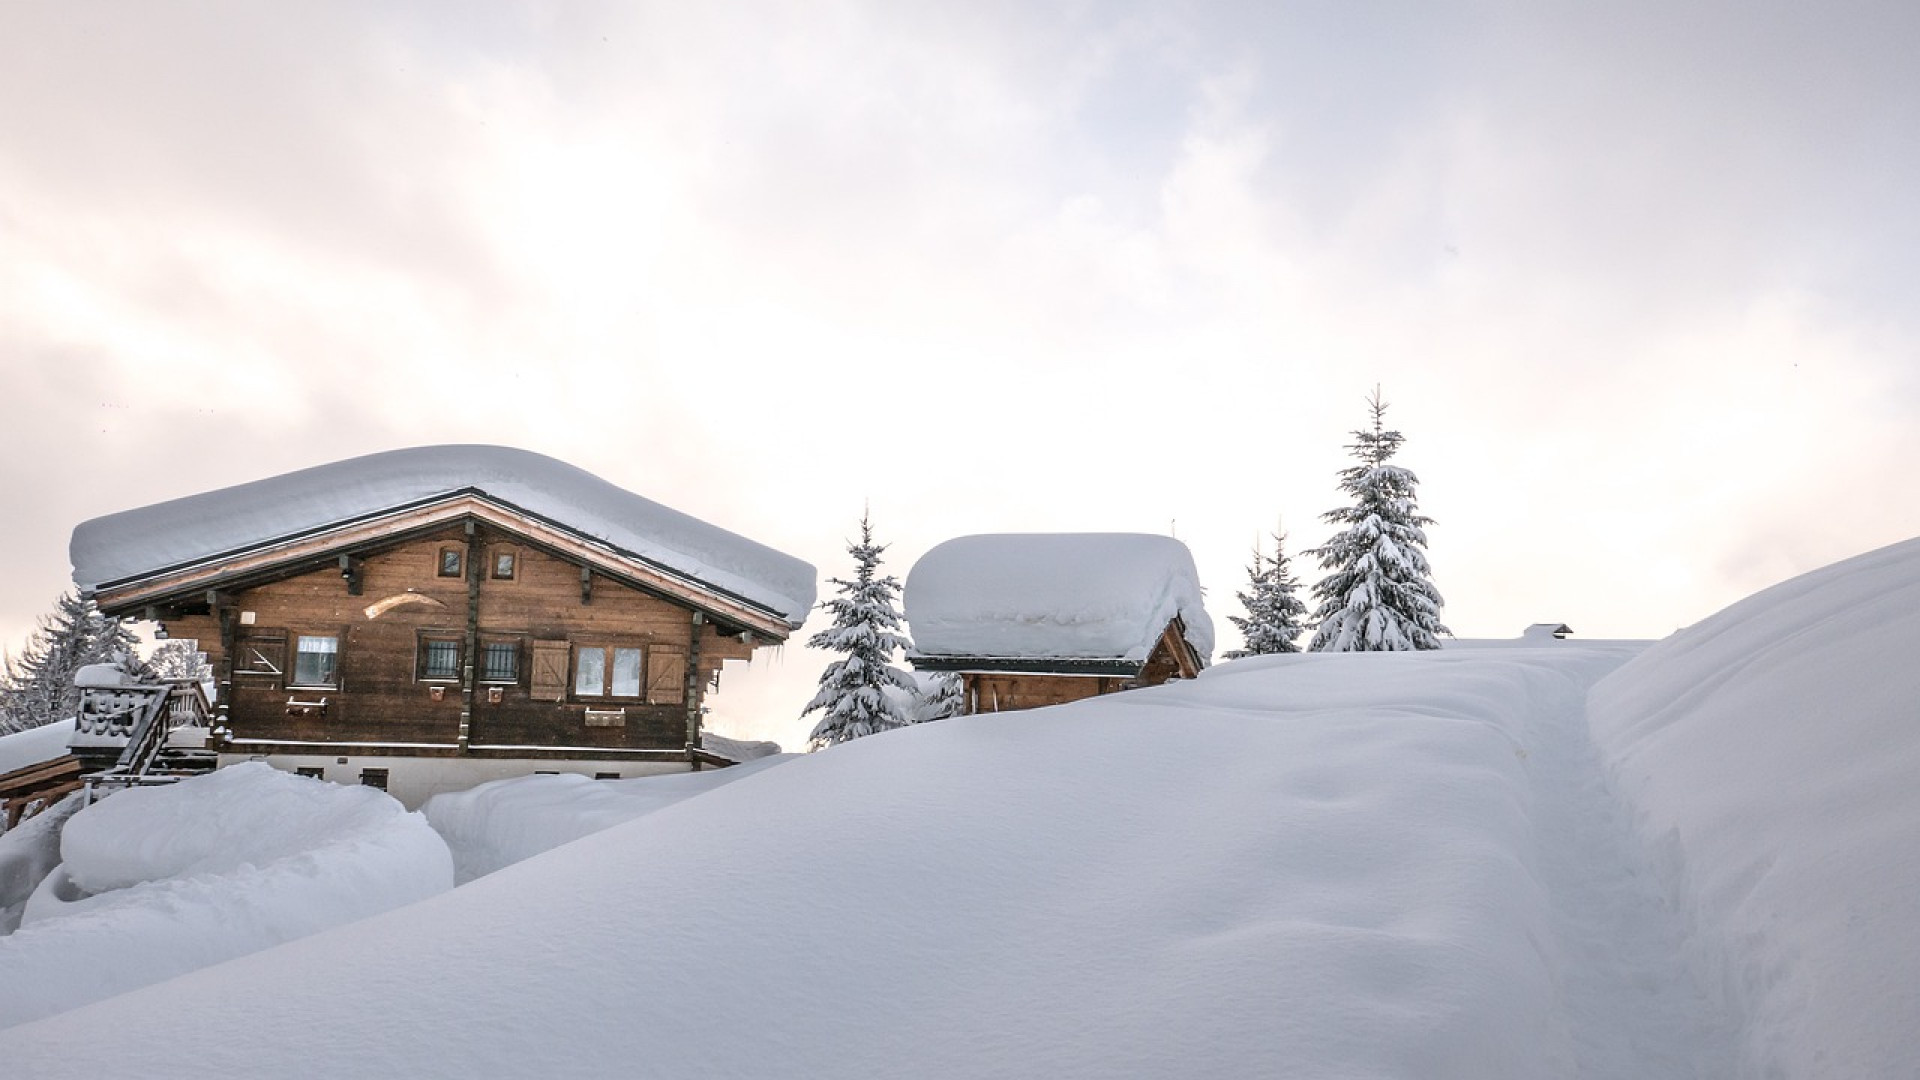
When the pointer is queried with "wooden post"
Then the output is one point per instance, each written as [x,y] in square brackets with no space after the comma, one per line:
[228,637]
[694,687]
[467,665]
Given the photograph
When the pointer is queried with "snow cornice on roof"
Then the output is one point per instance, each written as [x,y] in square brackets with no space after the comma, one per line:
[993,600]
[303,515]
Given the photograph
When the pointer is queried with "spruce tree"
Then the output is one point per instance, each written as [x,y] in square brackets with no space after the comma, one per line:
[1275,614]
[1378,594]
[37,686]
[940,696]
[866,625]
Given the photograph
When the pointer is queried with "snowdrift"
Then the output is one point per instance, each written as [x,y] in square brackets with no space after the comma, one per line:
[500,823]
[1290,867]
[1771,755]
[159,881]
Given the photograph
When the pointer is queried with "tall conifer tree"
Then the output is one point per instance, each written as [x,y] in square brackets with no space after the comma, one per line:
[1275,614]
[37,686]
[1378,593]
[853,691]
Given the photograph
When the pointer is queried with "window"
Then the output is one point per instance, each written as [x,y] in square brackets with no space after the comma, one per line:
[503,563]
[314,771]
[260,654]
[450,562]
[374,778]
[590,673]
[500,662]
[607,671]
[439,658]
[316,660]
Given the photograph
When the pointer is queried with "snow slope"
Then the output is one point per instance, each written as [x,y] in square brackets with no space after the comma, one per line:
[500,823]
[238,518]
[1054,595]
[1294,866]
[159,881]
[1771,755]
[1385,865]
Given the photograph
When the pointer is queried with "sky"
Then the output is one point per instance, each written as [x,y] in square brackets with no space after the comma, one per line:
[1634,278]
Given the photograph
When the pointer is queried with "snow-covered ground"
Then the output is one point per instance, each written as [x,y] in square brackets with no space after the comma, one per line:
[1771,759]
[1453,864]
[503,822]
[154,882]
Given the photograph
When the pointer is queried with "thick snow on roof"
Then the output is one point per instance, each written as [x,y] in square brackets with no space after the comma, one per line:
[185,531]
[1045,595]
[34,745]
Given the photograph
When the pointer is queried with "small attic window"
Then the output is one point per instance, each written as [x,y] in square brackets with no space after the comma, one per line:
[450,562]
[504,560]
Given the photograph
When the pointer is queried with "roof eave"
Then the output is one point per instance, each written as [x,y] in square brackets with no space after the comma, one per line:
[261,560]
[1030,665]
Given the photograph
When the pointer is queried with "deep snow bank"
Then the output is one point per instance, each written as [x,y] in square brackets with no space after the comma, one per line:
[1772,755]
[194,873]
[500,823]
[1290,867]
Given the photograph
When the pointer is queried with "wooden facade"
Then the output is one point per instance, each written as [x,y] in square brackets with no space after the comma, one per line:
[462,634]
[1007,684]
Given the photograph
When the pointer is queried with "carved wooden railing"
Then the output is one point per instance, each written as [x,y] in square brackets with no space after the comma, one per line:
[139,719]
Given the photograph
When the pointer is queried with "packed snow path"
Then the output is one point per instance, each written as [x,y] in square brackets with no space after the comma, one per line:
[1633,1010]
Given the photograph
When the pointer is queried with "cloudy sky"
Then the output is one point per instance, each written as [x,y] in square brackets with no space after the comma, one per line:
[1636,278]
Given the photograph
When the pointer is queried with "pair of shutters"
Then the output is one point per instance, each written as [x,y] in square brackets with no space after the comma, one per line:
[666,672]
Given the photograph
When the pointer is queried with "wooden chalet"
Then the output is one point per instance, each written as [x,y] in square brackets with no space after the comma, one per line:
[1028,620]
[428,619]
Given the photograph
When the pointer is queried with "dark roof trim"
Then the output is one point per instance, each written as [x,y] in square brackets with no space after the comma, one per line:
[420,504]
[1055,665]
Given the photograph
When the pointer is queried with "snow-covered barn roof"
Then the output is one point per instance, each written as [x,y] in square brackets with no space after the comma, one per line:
[216,525]
[1054,595]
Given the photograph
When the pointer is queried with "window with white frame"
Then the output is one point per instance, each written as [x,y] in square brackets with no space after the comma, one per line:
[316,660]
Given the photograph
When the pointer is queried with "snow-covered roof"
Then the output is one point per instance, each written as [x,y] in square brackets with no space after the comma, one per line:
[230,521]
[1054,595]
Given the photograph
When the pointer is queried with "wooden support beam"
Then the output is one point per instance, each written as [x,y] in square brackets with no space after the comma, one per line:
[469,663]
[586,585]
[352,571]
[693,689]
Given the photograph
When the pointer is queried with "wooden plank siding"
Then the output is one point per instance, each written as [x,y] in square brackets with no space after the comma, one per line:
[383,693]
[987,692]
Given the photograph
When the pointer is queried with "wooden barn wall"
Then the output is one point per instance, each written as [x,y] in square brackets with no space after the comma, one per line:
[379,695]
[1007,692]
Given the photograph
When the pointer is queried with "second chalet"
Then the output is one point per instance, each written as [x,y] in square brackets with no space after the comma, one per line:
[428,619]
[1044,618]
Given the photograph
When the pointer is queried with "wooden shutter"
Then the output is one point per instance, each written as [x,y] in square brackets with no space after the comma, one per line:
[549,671]
[666,675]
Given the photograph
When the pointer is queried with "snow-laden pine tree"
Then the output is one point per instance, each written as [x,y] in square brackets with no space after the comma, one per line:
[940,696]
[866,625]
[1275,613]
[1378,594]
[37,686]
[179,659]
